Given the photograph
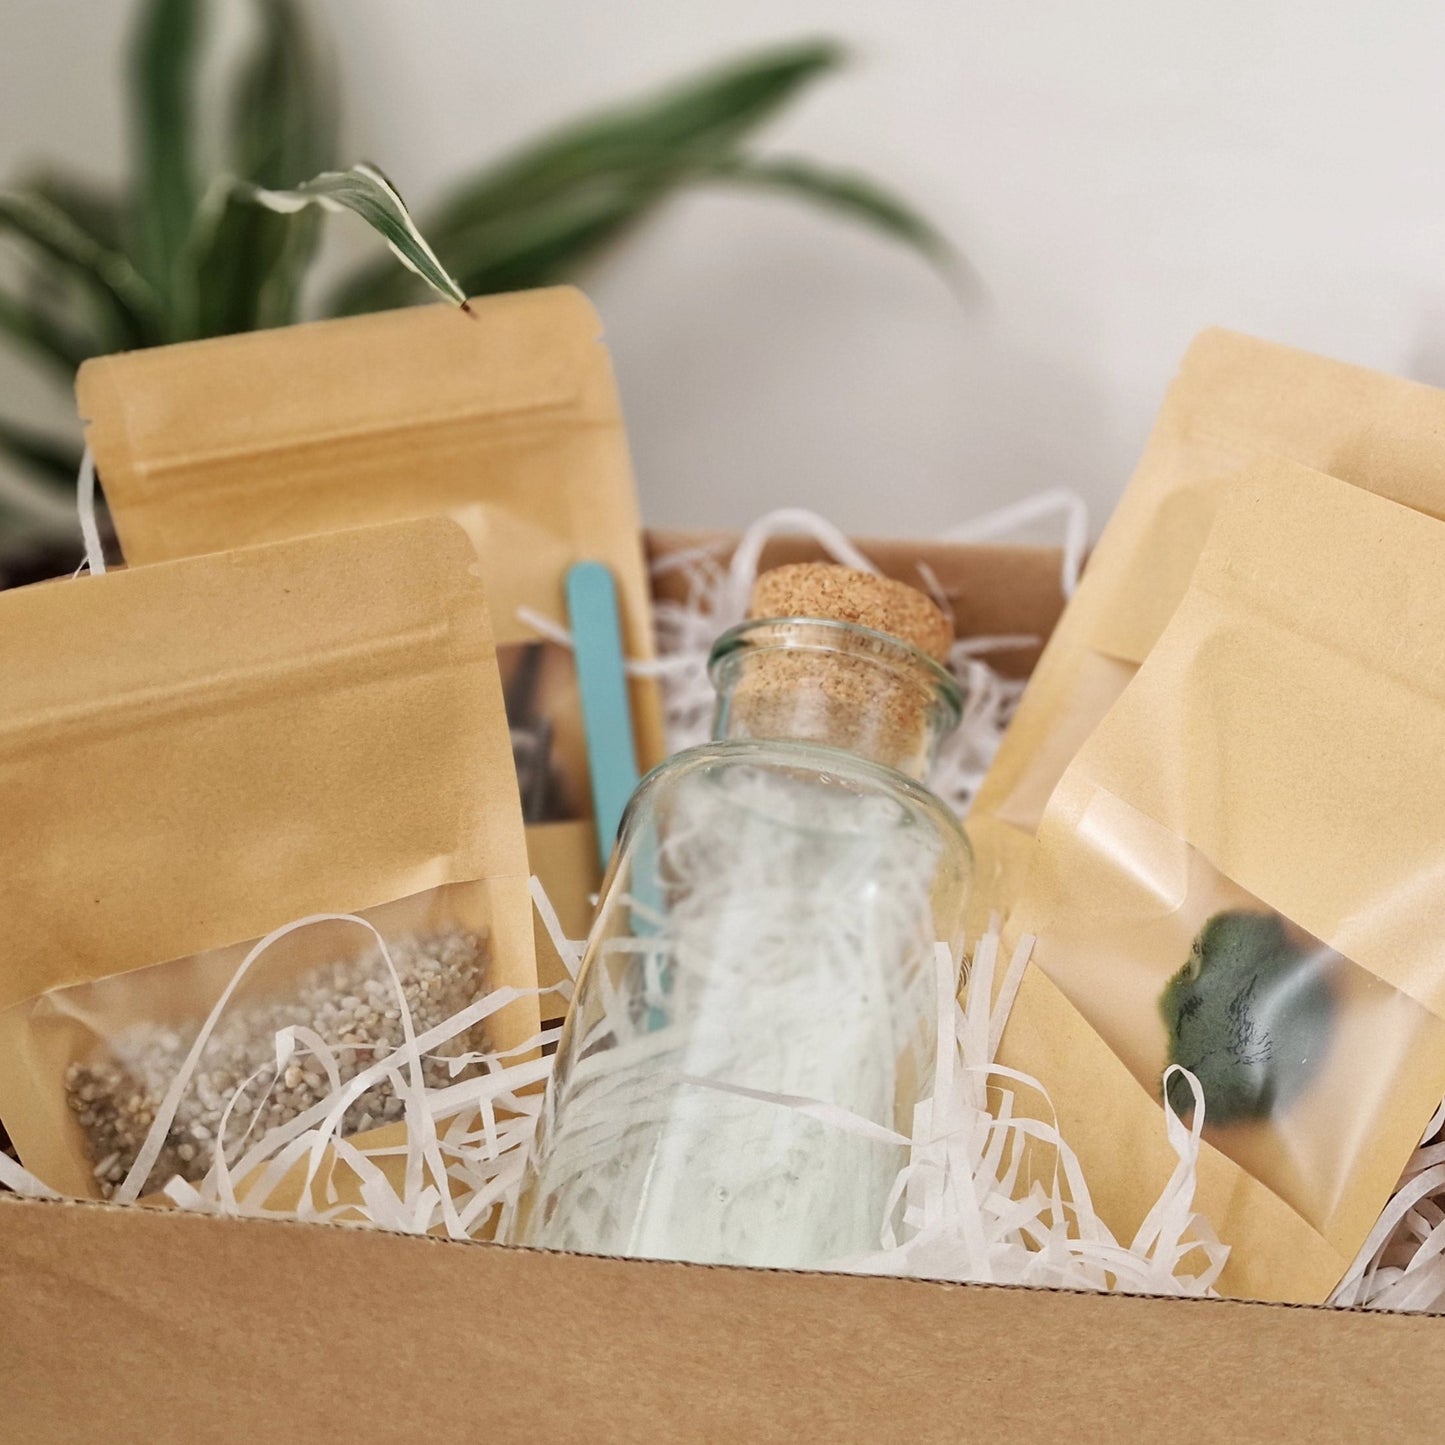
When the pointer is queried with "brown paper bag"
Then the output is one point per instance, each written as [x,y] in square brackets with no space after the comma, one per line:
[197,753]
[1243,871]
[1235,398]
[507,420]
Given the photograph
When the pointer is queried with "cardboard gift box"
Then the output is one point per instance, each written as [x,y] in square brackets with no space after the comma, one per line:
[158,1325]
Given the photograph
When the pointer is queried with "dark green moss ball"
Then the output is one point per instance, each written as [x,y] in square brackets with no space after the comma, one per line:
[1249,1015]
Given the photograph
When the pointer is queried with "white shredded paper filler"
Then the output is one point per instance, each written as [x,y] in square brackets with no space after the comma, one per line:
[958,1210]
[1401,1266]
[716,598]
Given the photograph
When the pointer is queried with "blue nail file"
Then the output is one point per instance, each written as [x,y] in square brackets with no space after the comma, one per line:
[611,751]
[593,616]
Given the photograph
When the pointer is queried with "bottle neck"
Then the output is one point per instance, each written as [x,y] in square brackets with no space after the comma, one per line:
[837,684]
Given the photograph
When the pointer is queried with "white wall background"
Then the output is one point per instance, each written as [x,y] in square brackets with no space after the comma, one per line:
[1119,175]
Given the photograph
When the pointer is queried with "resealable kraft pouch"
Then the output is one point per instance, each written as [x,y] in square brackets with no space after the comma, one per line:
[195,754]
[506,419]
[1242,872]
[1235,398]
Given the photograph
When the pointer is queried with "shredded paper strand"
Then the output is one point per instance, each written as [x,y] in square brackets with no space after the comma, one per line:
[956,1209]
[971,1203]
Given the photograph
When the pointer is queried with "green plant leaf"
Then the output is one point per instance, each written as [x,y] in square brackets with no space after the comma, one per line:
[37,489]
[251,267]
[91,207]
[284,110]
[250,262]
[550,241]
[547,244]
[126,306]
[165,60]
[55,460]
[706,114]
[583,184]
[849,194]
[366,192]
[513,251]
[27,326]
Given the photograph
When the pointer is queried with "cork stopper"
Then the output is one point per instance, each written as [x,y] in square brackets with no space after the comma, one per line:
[843,594]
[794,673]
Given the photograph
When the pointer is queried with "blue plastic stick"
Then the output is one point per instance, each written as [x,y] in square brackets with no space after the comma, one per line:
[601,678]
[611,749]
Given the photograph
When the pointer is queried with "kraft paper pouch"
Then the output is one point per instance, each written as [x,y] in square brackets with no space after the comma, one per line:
[507,420]
[195,754]
[1243,871]
[1235,398]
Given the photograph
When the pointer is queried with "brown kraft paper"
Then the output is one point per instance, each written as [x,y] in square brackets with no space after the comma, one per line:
[196,753]
[507,420]
[1261,804]
[1235,398]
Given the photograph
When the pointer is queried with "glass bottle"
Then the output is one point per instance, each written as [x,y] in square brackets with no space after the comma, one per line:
[769,932]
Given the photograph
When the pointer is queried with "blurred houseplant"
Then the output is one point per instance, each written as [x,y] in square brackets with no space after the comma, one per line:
[185,251]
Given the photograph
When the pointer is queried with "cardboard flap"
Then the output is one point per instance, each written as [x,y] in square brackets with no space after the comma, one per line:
[187,1327]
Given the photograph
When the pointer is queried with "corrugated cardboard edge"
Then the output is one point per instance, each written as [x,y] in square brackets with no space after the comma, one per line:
[168,1326]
